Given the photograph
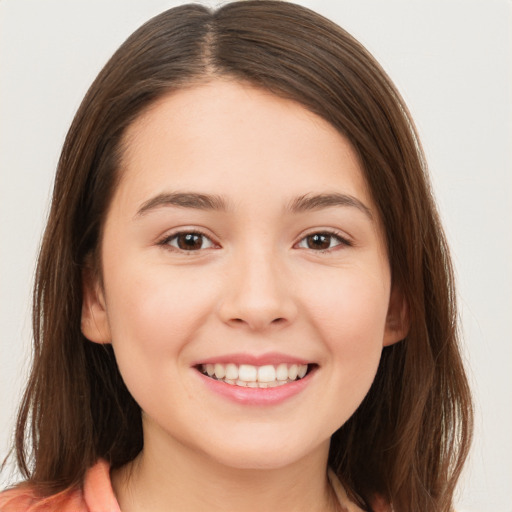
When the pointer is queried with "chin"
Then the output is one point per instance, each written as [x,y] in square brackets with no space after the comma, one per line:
[266,454]
[258,460]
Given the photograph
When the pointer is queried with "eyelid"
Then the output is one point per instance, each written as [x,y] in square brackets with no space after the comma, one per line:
[345,241]
[165,239]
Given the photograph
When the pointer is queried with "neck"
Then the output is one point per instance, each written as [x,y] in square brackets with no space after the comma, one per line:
[170,476]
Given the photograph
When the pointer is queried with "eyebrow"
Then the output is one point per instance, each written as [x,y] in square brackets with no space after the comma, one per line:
[304,203]
[184,200]
[310,202]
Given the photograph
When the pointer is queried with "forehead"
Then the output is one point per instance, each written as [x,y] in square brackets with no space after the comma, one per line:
[232,138]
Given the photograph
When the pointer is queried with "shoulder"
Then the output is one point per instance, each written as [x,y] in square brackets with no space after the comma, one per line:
[379,505]
[24,498]
[95,495]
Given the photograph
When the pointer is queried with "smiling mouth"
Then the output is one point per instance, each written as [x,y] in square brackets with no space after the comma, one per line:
[246,375]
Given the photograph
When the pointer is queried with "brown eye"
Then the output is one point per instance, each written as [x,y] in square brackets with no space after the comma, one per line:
[189,241]
[318,241]
[322,241]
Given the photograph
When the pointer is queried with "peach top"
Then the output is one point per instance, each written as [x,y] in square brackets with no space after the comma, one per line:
[97,495]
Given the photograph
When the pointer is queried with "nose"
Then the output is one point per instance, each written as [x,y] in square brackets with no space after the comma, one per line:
[258,293]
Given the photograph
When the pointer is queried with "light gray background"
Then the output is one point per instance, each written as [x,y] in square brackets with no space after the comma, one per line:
[451,59]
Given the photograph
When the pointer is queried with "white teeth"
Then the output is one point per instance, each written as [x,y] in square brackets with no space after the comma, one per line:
[303,368]
[266,373]
[247,375]
[282,372]
[232,371]
[220,371]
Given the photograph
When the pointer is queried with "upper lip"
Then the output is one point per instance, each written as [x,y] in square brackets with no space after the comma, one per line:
[273,358]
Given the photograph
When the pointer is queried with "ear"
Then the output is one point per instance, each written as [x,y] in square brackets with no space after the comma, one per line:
[397,320]
[95,326]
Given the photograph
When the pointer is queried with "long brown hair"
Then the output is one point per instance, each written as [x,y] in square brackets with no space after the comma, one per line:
[409,438]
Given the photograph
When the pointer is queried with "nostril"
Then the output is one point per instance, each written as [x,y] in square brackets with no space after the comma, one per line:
[256,321]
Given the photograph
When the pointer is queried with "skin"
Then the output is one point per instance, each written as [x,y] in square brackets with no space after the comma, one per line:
[255,284]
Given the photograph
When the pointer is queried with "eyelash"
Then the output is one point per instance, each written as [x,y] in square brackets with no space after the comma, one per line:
[166,242]
[342,241]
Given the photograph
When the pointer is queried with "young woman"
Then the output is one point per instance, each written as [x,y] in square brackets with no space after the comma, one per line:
[244,298]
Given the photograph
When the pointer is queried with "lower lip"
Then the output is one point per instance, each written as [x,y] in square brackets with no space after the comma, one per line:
[256,396]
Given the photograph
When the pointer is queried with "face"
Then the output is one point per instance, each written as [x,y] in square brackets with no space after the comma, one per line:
[246,286]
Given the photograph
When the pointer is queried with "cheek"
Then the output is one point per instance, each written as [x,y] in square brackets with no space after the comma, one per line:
[349,311]
[153,315]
